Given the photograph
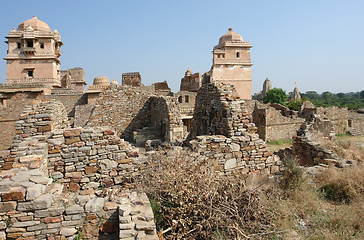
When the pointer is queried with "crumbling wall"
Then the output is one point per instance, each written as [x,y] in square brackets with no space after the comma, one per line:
[219,111]
[83,197]
[82,115]
[306,145]
[86,158]
[276,122]
[356,123]
[224,131]
[338,116]
[159,118]
[117,107]
[245,154]
[68,98]
[9,114]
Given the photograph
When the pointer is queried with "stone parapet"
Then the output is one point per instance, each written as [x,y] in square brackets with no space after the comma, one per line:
[239,153]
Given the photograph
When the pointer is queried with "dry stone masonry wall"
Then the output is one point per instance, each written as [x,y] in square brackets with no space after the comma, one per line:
[64,182]
[225,133]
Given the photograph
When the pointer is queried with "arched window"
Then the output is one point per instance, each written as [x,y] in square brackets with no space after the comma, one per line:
[237,54]
[186,99]
[180,99]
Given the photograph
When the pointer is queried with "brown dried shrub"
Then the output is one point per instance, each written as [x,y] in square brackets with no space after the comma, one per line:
[191,201]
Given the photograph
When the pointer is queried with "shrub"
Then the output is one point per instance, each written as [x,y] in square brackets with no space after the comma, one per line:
[295,104]
[275,95]
[335,192]
[292,177]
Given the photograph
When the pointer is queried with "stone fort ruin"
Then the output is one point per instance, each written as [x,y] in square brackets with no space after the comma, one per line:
[67,154]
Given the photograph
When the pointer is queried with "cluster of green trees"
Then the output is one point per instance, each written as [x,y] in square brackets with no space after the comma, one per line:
[353,101]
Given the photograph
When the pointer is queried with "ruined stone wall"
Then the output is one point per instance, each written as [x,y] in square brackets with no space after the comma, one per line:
[132,79]
[163,121]
[83,197]
[239,153]
[85,158]
[230,139]
[9,114]
[219,111]
[82,114]
[307,144]
[117,107]
[357,122]
[276,122]
[69,99]
[339,117]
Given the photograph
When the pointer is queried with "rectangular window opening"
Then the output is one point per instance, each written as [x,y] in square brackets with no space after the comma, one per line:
[30,44]
[41,45]
[18,45]
[30,73]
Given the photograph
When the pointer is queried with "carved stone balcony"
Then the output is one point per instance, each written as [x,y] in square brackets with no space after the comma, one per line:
[29,50]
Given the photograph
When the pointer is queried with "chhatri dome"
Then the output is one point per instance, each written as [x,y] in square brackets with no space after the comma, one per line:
[101,81]
[36,24]
[231,36]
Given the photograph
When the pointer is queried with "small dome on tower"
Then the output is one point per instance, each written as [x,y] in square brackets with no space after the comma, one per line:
[101,81]
[36,24]
[231,36]
[113,82]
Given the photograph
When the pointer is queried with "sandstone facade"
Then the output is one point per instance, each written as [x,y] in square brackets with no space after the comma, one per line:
[231,63]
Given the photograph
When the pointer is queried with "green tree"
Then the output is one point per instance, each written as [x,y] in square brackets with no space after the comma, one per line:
[295,104]
[275,95]
[362,94]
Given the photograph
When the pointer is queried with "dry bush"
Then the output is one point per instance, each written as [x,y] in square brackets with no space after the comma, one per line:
[348,149]
[192,202]
[343,184]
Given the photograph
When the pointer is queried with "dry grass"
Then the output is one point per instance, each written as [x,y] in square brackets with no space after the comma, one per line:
[192,202]
[279,144]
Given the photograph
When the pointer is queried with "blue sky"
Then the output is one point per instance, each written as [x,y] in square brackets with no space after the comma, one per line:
[319,44]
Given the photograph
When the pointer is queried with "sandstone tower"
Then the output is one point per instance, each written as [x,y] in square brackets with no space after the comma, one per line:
[232,64]
[33,54]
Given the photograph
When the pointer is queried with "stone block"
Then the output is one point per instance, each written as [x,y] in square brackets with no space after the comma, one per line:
[43,202]
[37,227]
[55,211]
[2,225]
[72,133]
[74,209]
[72,140]
[90,170]
[145,226]
[41,180]
[46,128]
[7,206]
[14,194]
[53,219]
[110,206]
[25,224]
[127,234]
[67,232]
[74,187]
[109,132]
[230,164]
[124,210]
[95,205]
[34,191]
